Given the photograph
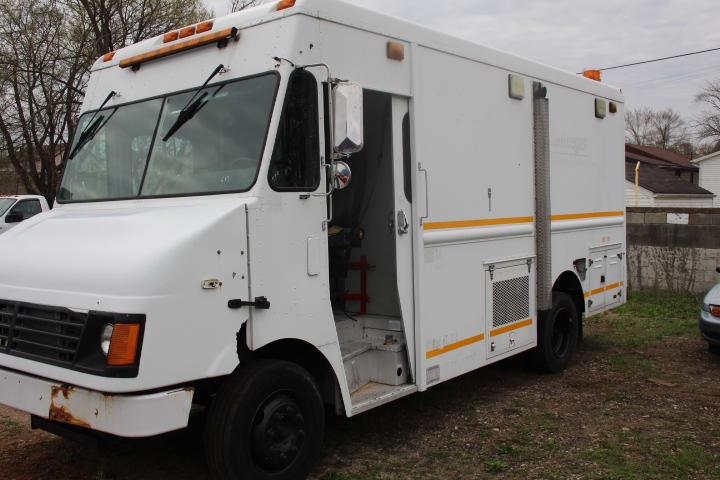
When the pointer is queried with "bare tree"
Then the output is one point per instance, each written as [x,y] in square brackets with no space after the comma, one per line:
[638,125]
[42,78]
[237,5]
[46,50]
[118,23]
[708,122]
[659,128]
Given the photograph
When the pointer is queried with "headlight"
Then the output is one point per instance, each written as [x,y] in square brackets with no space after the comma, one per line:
[705,307]
[105,337]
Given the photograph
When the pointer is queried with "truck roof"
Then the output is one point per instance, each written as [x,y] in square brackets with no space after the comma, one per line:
[360,18]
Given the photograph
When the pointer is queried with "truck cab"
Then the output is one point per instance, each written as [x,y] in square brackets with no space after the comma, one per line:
[17,208]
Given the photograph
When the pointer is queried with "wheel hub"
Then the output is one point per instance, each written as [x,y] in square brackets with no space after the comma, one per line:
[278,433]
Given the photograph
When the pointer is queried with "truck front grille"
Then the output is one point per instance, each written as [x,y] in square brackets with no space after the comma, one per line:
[40,332]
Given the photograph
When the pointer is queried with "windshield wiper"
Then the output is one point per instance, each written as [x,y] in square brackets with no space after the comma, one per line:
[92,127]
[192,106]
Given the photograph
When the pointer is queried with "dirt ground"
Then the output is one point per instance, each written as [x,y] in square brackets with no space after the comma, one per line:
[642,400]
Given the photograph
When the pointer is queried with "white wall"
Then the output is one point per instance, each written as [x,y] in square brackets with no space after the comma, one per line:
[646,198]
[710,176]
[683,202]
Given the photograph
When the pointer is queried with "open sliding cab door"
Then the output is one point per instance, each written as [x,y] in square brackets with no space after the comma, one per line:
[402,220]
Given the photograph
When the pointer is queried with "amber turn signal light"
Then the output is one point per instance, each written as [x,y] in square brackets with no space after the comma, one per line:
[715,310]
[124,344]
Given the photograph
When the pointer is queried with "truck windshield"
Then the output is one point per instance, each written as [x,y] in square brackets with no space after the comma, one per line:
[5,203]
[219,150]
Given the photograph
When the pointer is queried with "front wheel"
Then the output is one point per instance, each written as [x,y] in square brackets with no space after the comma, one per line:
[558,331]
[266,423]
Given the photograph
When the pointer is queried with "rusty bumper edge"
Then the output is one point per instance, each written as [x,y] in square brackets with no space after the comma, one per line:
[124,415]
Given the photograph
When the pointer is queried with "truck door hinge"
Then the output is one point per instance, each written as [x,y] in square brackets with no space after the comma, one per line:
[260,302]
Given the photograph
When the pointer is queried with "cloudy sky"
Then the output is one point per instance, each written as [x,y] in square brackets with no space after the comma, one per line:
[579,34]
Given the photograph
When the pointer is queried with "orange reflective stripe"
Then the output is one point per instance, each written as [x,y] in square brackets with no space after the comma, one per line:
[604,289]
[578,216]
[476,223]
[509,328]
[487,222]
[455,346]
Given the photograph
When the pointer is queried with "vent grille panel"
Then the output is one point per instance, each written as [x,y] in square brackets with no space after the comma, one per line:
[511,301]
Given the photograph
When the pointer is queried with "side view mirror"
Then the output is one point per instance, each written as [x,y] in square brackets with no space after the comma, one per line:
[348,118]
[14,217]
[341,175]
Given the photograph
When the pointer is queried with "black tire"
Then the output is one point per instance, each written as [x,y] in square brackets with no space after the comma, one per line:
[714,349]
[266,422]
[558,332]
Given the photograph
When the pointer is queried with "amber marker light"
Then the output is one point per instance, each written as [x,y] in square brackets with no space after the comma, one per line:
[593,75]
[170,37]
[187,31]
[108,56]
[124,344]
[285,4]
[204,27]
[715,310]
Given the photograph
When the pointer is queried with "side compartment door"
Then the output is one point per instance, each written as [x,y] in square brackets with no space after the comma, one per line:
[403,220]
[597,280]
[613,276]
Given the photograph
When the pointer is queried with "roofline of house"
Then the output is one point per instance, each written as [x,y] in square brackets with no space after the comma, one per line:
[706,157]
[673,195]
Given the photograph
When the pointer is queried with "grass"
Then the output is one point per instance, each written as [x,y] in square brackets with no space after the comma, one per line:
[495,465]
[10,427]
[646,318]
[341,476]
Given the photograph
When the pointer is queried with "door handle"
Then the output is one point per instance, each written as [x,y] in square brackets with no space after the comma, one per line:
[402,223]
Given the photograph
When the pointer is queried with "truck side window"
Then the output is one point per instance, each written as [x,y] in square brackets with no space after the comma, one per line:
[407,157]
[295,163]
[28,208]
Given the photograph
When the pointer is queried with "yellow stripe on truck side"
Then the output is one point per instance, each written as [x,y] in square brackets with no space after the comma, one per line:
[477,338]
[489,222]
[511,327]
[455,346]
[604,289]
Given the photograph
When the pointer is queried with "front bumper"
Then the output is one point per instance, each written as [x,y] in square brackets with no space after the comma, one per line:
[140,415]
[710,327]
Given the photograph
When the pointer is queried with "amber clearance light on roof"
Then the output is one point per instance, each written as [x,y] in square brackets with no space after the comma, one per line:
[221,36]
[188,31]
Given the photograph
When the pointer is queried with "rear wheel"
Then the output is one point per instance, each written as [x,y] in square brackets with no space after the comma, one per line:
[557,336]
[266,423]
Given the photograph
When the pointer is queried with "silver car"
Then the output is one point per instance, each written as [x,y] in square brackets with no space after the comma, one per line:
[710,318]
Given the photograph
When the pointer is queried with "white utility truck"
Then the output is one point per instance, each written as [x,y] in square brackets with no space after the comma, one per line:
[209,250]
[18,208]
